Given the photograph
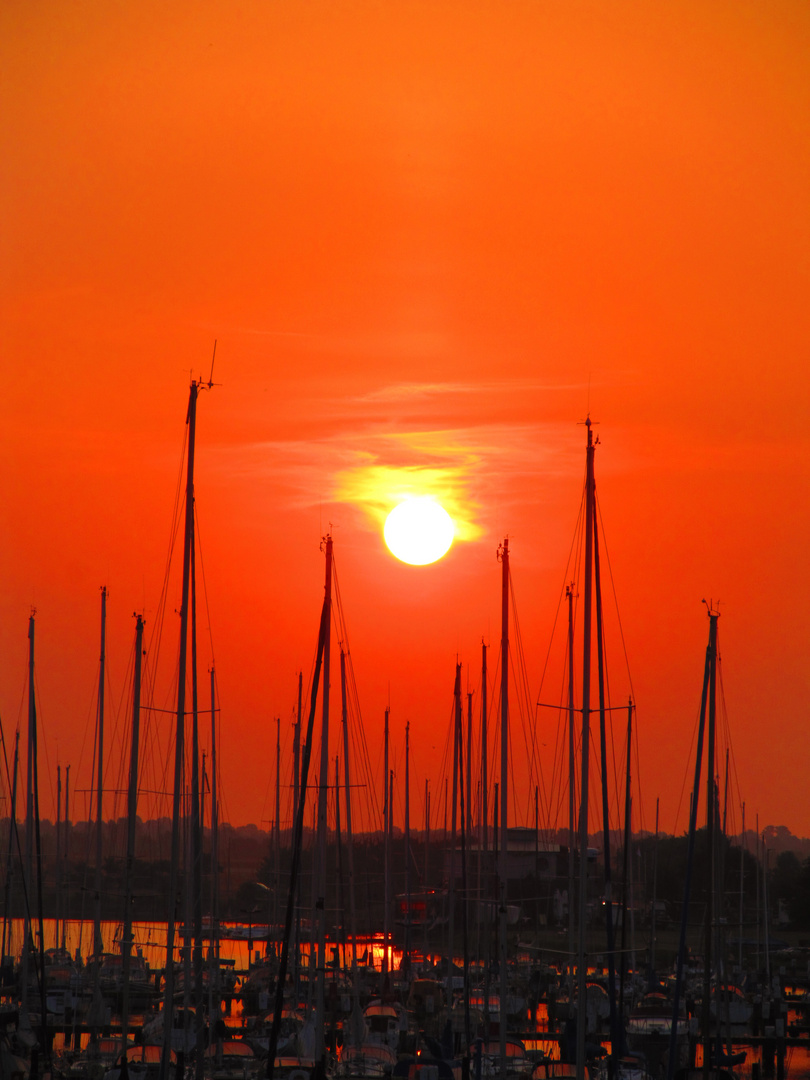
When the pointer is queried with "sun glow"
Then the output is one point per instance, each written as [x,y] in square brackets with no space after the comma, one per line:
[419,531]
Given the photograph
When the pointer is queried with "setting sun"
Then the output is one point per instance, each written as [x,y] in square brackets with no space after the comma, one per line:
[419,531]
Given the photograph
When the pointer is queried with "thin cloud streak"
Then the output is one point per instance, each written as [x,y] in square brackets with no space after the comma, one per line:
[464,468]
[410,391]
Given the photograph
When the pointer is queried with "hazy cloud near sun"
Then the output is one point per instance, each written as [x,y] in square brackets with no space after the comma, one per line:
[372,468]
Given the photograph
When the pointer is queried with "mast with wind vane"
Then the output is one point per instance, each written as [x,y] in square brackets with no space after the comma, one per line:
[188,544]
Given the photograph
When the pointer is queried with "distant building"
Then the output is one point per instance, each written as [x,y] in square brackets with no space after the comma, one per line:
[528,856]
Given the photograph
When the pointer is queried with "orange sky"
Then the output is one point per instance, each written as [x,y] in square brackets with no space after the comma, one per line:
[427,236]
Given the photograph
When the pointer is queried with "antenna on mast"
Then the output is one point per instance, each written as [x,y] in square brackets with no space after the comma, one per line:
[213,358]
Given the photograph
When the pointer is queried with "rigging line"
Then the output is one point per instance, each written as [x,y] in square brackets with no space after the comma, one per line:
[357,731]
[156,633]
[530,754]
[88,721]
[359,745]
[560,778]
[494,729]
[576,542]
[531,718]
[726,727]
[601,521]
[198,537]
[561,813]
[578,710]
[38,699]
[614,798]
[573,564]
[520,677]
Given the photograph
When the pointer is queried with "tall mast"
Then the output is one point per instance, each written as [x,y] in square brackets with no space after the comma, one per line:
[504,552]
[391,850]
[586,718]
[295,859]
[179,739]
[297,747]
[742,882]
[12,828]
[98,946]
[196,835]
[484,772]
[66,855]
[653,932]
[469,763]
[341,904]
[690,849]
[349,839]
[132,806]
[28,869]
[277,858]
[451,893]
[323,787]
[483,837]
[407,956]
[464,927]
[710,818]
[386,853]
[214,845]
[427,864]
[628,843]
[58,849]
[617,1037]
[569,593]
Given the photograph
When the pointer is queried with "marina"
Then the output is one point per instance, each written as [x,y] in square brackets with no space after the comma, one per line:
[404,590]
[487,948]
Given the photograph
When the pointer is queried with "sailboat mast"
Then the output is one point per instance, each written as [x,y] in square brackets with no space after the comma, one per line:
[584,750]
[214,844]
[484,772]
[297,747]
[348,800]
[690,853]
[386,853]
[12,828]
[295,859]
[196,835]
[179,738]
[451,892]
[482,832]
[504,767]
[653,932]
[323,787]
[277,856]
[391,849]
[464,893]
[469,763]
[98,947]
[58,896]
[66,855]
[742,882]
[710,819]
[569,593]
[28,870]
[427,864]
[132,806]
[628,843]
[407,956]
[616,1038]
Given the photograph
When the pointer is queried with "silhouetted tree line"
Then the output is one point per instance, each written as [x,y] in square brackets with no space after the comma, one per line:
[790,882]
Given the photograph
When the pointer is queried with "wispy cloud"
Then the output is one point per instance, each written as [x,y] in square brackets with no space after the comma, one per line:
[467,469]
[414,391]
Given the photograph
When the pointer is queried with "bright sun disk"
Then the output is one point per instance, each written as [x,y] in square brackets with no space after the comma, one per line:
[419,531]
